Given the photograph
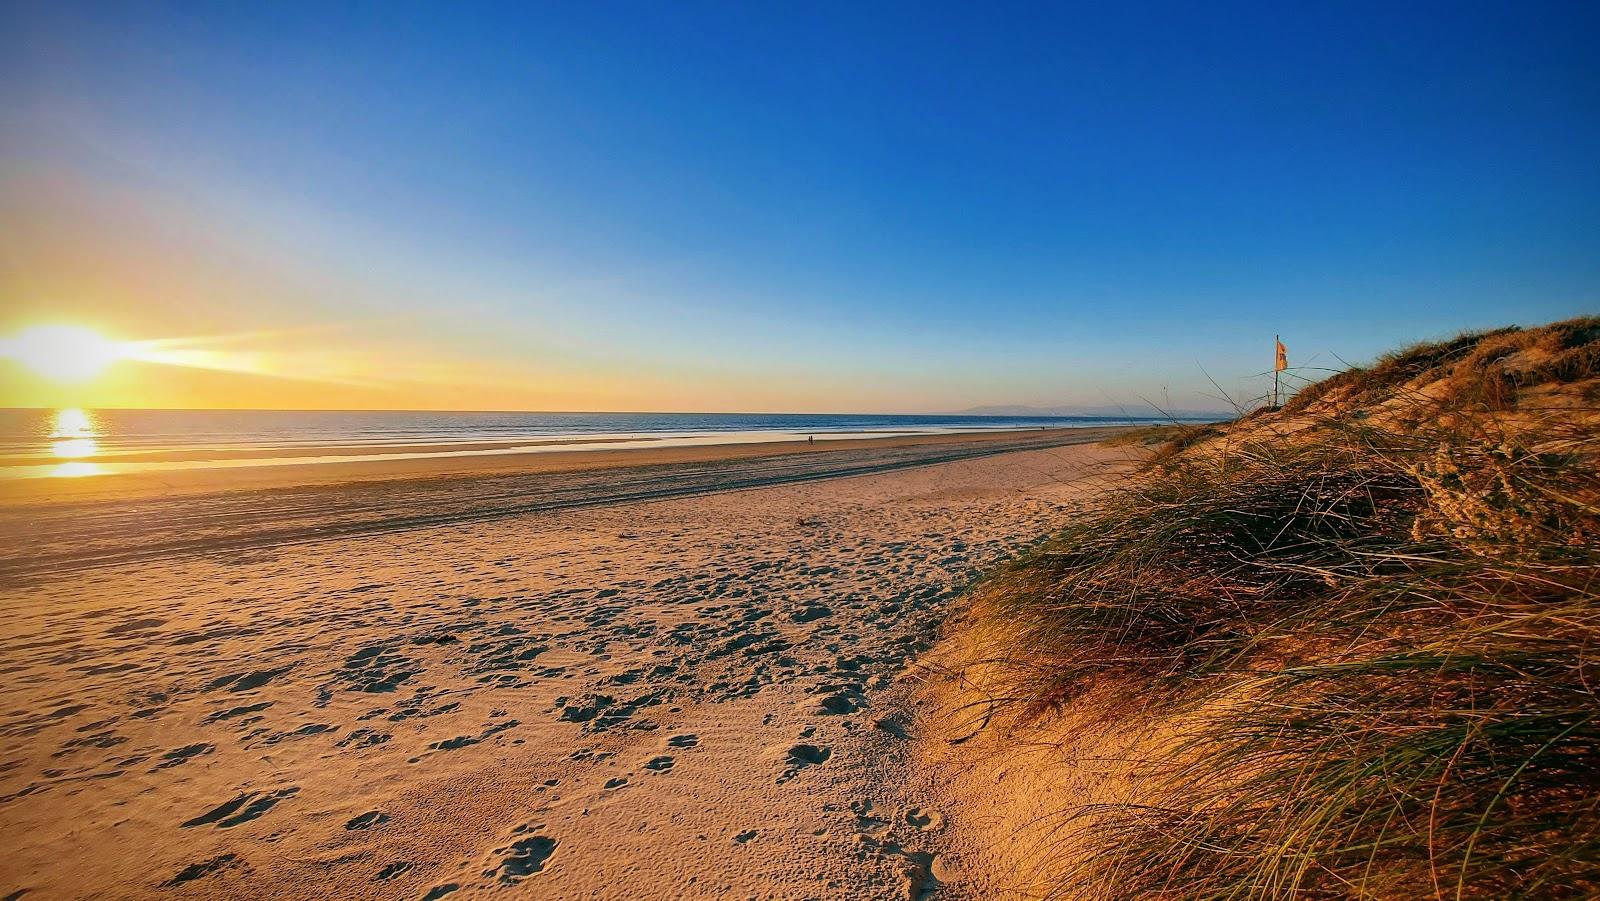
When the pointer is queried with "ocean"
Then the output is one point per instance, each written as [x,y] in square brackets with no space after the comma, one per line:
[36,442]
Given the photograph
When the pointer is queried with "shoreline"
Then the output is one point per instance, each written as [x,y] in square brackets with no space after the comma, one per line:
[124,485]
[175,458]
[69,525]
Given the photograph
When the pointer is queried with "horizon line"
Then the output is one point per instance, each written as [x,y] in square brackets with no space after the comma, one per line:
[1155,412]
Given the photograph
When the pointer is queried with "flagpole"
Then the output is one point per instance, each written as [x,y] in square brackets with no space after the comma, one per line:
[1276,340]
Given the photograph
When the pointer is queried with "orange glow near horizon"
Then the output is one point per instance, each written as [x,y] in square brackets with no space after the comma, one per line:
[333,366]
[367,364]
[71,366]
[72,353]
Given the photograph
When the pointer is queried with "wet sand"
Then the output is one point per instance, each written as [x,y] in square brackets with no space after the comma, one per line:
[58,525]
[703,696]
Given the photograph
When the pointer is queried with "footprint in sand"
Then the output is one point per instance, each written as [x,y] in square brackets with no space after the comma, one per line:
[363,738]
[660,764]
[866,823]
[234,712]
[198,870]
[368,820]
[809,755]
[746,835]
[465,741]
[687,740]
[800,757]
[925,820]
[921,872]
[891,725]
[616,783]
[242,809]
[181,755]
[838,704]
[237,682]
[392,870]
[810,612]
[524,857]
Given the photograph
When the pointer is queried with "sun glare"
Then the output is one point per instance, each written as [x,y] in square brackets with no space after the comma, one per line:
[63,353]
[72,422]
[73,435]
[71,354]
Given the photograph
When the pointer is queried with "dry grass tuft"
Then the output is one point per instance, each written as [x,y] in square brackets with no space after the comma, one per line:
[1167,440]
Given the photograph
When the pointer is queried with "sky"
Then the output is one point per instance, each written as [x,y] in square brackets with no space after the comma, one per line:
[815,207]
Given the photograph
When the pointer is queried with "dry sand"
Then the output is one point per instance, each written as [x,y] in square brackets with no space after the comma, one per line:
[701,697]
[1030,792]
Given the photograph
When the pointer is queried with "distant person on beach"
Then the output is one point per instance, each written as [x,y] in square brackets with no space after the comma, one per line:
[811,439]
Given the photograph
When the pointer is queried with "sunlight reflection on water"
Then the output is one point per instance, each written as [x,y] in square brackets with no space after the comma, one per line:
[72,437]
[73,448]
[76,470]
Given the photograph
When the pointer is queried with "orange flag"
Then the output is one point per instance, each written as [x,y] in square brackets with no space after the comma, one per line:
[1283,355]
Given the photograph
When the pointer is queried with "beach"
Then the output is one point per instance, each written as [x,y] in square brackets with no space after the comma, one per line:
[919,452]
[685,672]
[60,524]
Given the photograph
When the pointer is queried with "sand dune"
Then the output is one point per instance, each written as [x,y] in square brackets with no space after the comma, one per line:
[694,697]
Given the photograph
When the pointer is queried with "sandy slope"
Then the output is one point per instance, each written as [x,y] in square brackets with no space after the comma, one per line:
[696,697]
[1026,792]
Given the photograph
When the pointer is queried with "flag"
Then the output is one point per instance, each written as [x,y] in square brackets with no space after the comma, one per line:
[1283,356]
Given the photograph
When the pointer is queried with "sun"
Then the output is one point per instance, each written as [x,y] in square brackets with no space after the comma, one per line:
[63,353]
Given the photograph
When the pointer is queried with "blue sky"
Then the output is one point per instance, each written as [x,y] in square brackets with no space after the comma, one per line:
[813,207]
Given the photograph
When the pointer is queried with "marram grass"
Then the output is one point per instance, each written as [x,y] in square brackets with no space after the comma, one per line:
[1382,640]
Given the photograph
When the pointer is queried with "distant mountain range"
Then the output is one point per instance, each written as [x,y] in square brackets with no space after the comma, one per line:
[1140,409]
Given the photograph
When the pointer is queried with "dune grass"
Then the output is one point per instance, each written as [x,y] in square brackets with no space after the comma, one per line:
[1382,640]
[1462,367]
